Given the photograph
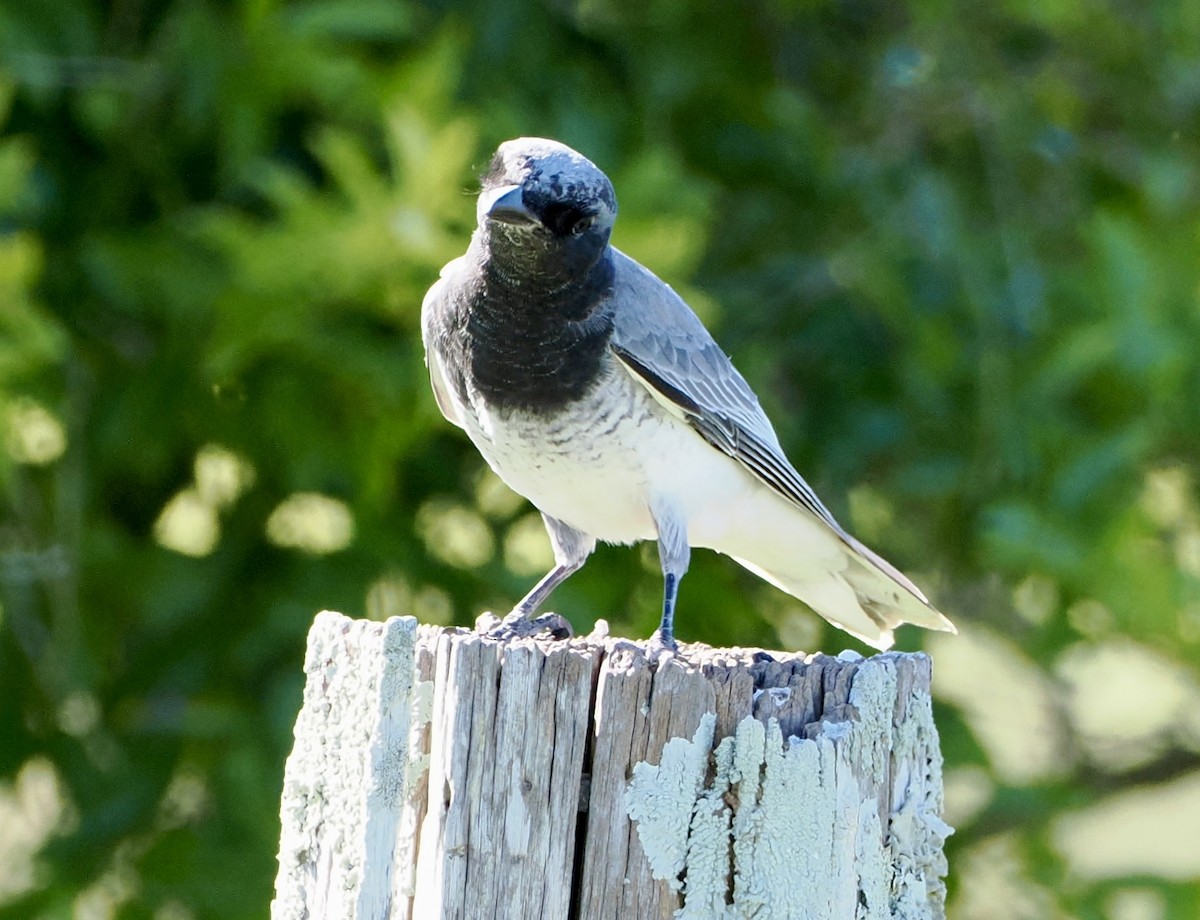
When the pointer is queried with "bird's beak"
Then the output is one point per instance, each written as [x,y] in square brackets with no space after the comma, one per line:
[507,206]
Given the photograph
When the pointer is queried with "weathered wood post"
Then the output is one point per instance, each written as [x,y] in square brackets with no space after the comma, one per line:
[441,774]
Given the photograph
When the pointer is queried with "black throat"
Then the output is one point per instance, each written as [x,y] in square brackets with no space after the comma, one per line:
[532,349]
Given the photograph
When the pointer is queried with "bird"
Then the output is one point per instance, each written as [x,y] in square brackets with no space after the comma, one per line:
[592,389]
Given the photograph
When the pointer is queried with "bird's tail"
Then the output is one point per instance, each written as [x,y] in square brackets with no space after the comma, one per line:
[868,597]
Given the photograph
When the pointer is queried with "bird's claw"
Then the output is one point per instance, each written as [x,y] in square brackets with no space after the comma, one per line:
[660,647]
[517,625]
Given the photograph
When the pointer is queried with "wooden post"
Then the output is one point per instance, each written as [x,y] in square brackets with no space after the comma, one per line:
[440,774]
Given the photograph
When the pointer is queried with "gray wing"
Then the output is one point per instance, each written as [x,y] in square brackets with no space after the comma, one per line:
[433,309]
[658,338]
[664,344]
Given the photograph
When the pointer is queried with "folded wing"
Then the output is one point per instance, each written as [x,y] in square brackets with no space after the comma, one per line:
[666,348]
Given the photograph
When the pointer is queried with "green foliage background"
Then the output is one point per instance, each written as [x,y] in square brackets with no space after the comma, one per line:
[953,246]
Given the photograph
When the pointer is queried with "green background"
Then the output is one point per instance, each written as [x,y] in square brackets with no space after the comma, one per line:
[952,246]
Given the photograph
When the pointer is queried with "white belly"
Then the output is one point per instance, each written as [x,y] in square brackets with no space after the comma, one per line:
[602,465]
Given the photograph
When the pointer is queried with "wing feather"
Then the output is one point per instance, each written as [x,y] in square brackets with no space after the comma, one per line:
[664,345]
[432,308]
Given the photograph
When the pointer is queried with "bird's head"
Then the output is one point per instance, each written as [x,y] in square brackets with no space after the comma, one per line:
[545,212]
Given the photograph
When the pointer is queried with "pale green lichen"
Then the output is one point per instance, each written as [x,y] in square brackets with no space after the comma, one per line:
[793,828]
[661,797]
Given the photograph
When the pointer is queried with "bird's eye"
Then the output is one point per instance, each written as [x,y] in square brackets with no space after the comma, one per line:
[563,219]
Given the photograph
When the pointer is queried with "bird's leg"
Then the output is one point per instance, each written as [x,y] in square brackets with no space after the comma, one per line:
[571,550]
[529,604]
[674,554]
[665,635]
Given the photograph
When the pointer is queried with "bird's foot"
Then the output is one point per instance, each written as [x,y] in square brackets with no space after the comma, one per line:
[518,625]
[661,646]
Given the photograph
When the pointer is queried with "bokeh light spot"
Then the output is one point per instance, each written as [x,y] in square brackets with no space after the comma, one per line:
[34,435]
[527,548]
[454,534]
[311,522]
[188,525]
[221,475]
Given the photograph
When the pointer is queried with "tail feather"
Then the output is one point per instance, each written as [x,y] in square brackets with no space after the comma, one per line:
[864,600]
[834,599]
[848,584]
[884,566]
[896,599]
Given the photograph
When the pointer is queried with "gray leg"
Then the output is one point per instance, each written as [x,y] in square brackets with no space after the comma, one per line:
[571,549]
[674,554]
